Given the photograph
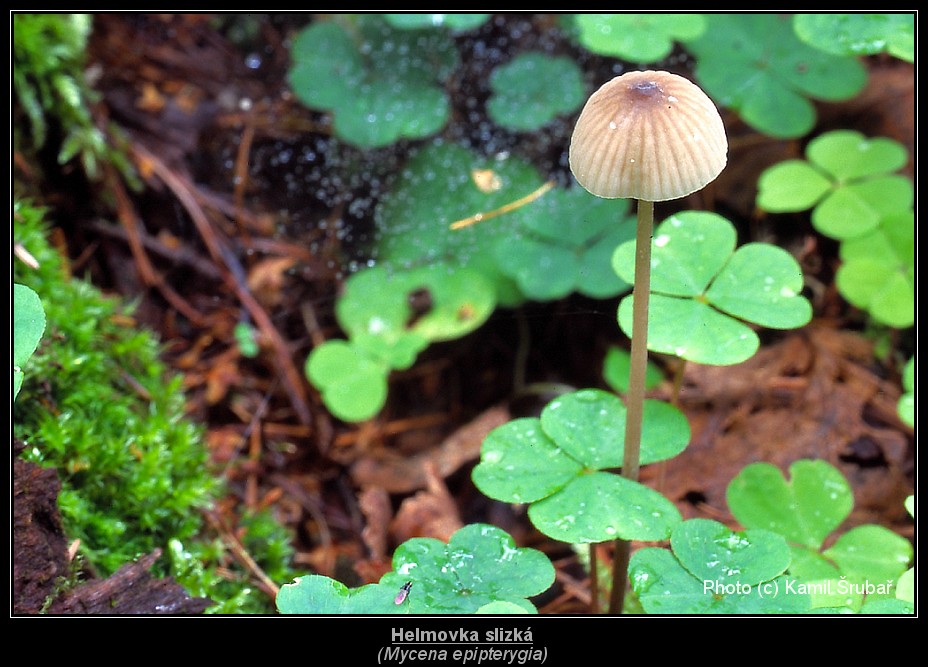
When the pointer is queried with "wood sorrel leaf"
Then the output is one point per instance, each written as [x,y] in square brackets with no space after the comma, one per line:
[317,594]
[711,551]
[520,464]
[444,183]
[381,84]
[572,217]
[533,89]
[859,34]
[761,283]
[28,323]
[589,425]
[865,564]
[378,302]
[602,506]
[792,185]
[664,586]
[453,22]
[878,271]
[689,249]
[544,271]
[804,509]
[856,208]
[848,155]
[848,180]
[906,410]
[700,283]
[642,38]
[871,554]
[479,565]
[886,606]
[496,608]
[905,591]
[564,243]
[28,327]
[755,64]
[692,330]
[616,366]
[353,384]
[886,292]
[553,463]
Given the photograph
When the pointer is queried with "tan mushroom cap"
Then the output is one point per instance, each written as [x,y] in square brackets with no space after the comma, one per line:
[648,135]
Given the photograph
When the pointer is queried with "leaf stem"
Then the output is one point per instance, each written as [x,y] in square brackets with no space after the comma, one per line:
[594,581]
[634,400]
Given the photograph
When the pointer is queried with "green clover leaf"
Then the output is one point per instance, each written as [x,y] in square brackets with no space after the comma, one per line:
[398,312]
[558,464]
[442,184]
[848,180]
[702,287]
[381,84]
[352,382]
[390,317]
[862,565]
[906,407]
[533,89]
[859,34]
[642,38]
[755,65]
[28,327]
[456,22]
[714,570]
[871,554]
[480,565]
[878,271]
[804,510]
[616,367]
[566,242]
[712,552]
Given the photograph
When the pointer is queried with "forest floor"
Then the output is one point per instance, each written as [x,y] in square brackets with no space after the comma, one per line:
[210,125]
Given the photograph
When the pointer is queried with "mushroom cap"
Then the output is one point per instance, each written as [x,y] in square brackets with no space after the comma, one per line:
[648,135]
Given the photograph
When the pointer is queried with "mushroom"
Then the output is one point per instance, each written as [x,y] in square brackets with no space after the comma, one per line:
[651,136]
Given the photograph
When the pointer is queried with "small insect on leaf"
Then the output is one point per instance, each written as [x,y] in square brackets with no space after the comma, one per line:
[403,594]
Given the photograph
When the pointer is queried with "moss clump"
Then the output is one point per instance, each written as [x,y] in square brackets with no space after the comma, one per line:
[51,89]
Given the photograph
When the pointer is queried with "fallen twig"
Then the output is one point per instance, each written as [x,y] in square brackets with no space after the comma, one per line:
[183,190]
[264,582]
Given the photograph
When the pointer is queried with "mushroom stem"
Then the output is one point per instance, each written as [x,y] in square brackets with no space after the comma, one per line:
[634,399]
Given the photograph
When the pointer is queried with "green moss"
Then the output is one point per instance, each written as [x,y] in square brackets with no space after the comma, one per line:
[51,90]
[205,567]
[99,405]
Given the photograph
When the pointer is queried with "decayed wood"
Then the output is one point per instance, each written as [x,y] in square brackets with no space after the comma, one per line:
[42,562]
[131,590]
